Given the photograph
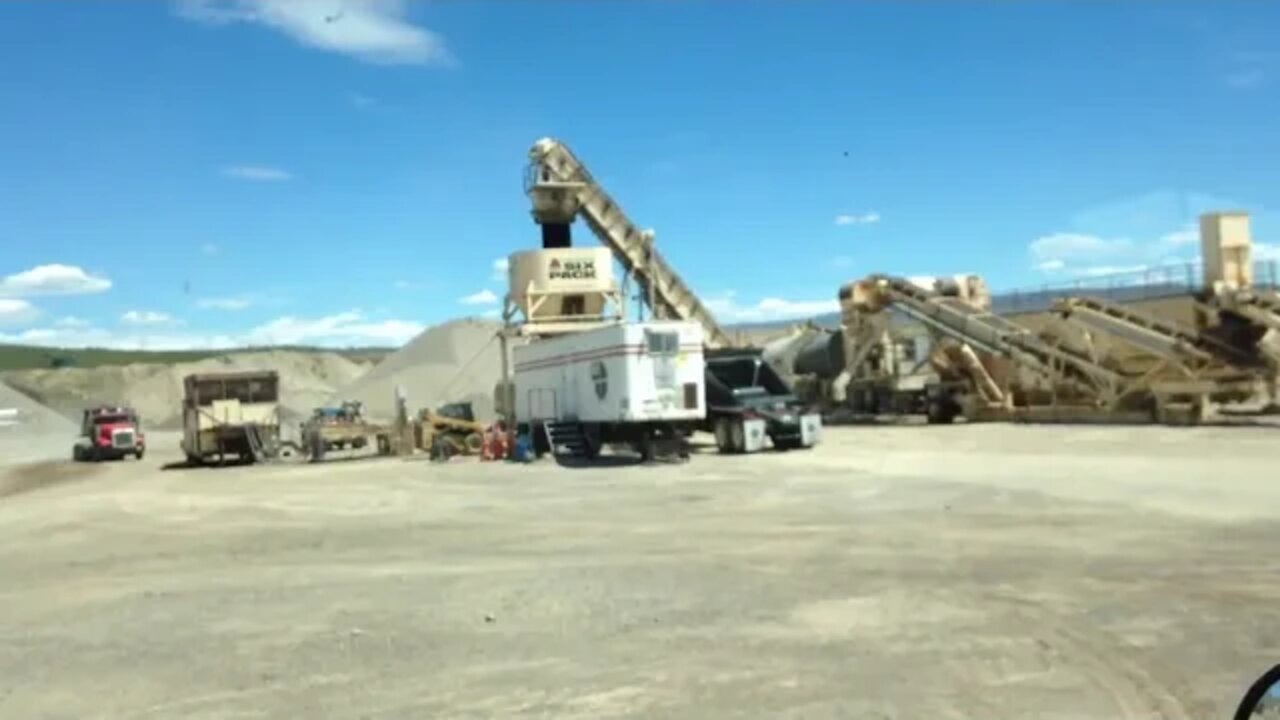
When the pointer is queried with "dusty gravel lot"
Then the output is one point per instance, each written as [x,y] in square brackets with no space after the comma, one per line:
[963,572]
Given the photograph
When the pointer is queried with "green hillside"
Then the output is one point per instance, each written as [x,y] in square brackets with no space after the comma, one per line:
[27,357]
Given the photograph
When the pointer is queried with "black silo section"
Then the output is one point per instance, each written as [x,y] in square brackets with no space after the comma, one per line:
[556,235]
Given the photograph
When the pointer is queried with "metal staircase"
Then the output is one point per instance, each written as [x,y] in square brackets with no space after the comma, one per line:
[257,448]
[553,164]
[566,437]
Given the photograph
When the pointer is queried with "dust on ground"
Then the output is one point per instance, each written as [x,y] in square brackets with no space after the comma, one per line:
[968,571]
[42,474]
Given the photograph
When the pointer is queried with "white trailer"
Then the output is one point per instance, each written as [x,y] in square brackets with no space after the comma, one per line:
[641,384]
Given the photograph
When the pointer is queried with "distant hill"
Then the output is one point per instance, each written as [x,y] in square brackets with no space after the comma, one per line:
[26,357]
[29,357]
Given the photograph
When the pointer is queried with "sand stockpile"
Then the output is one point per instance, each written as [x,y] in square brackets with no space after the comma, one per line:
[21,415]
[155,391]
[456,361]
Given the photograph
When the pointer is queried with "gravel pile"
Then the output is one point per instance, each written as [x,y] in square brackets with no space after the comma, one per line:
[456,361]
[307,380]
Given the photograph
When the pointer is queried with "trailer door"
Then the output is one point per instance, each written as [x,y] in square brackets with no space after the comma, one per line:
[662,348]
[569,388]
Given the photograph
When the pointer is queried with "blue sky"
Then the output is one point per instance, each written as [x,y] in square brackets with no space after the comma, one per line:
[209,173]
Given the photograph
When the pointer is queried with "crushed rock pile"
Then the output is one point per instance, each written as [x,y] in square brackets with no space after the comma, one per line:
[456,361]
[307,380]
[21,415]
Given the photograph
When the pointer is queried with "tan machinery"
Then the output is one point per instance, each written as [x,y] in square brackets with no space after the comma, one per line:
[340,428]
[1232,350]
[1008,371]
[231,414]
[448,431]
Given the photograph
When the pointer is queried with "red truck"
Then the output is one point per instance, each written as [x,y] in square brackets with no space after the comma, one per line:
[109,433]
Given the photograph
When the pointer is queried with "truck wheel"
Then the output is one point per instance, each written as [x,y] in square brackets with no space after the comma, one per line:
[138,455]
[646,448]
[317,448]
[724,441]
[939,413]
[738,435]
[591,441]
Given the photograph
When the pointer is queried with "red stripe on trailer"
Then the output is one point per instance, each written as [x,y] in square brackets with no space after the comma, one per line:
[580,356]
[596,354]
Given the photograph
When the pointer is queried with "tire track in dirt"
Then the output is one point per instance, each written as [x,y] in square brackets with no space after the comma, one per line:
[42,475]
[1102,657]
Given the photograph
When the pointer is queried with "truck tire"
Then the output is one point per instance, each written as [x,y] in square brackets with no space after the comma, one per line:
[738,435]
[317,448]
[138,455]
[939,413]
[592,442]
[724,440]
[645,446]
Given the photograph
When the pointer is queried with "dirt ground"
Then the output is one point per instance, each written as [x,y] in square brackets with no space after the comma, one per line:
[958,572]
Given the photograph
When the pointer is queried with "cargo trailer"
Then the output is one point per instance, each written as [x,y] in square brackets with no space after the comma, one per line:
[640,384]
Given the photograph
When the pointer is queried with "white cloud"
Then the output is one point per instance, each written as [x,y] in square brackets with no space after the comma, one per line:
[338,330]
[1066,247]
[345,328]
[500,268]
[1052,265]
[146,317]
[1179,238]
[484,297]
[16,312]
[1266,251]
[227,303]
[867,218]
[210,249]
[1099,270]
[727,309]
[492,313]
[257,173]
[53,279]
[374,31]
[71,321]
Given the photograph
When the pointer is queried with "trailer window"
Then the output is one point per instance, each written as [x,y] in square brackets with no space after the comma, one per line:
[663,343]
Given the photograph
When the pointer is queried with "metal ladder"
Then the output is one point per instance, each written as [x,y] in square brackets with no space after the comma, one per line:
[253,435]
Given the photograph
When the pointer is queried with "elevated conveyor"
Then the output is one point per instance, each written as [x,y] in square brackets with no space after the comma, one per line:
[1165,339]
[553,167]
[987,332]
